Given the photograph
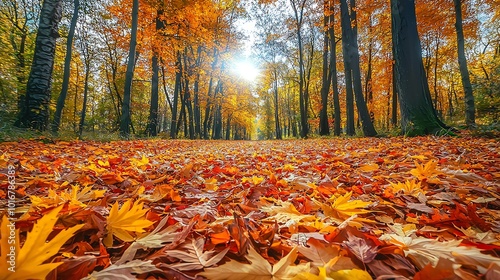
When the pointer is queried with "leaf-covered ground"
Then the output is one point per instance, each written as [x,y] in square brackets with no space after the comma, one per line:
[387,208]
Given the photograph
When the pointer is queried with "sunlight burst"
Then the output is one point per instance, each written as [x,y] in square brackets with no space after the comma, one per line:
[246,70]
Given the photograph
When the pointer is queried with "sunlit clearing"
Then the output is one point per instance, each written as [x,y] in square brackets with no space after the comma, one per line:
[246,70]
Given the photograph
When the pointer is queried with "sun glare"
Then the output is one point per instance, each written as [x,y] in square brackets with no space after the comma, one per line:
[246,70]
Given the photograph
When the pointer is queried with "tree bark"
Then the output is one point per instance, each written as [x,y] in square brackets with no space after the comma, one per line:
[177,89]
[67,69]
[352,56]
[418,116]
[35,110]
[470,110]
[324,128]
[152,128]
[196,101]
[299,13]
[276,107]
[126,120]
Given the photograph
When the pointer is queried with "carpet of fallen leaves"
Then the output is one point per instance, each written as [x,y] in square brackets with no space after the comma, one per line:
[386,208]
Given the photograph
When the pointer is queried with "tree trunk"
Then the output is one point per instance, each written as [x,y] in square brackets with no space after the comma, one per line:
[217,131]
[126,120]
[189,106]
[470,110]
[196,90]
[228,127]
[418,116]
[85,97]
[276,107]
[152,129]
[299,13]
[177,89]
[67,69]
[324,128]
[35,110]
[208,107]
[352,55]
[345,20]
[333,74]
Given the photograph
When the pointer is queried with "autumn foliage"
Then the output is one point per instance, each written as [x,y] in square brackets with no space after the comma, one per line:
[425,208]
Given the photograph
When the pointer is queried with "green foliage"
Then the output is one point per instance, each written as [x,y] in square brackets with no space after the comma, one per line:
[487,91]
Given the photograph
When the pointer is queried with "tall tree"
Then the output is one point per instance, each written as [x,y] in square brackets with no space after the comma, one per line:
[470,111]
[417,112]
[125,121]
[351,59]
[34,112]
[324,128]
[67,69]
[298,11]
[152,129]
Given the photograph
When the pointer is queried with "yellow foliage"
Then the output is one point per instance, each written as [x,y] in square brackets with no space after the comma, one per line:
[74,197]
[351,274]
[129,218]
[425,171]
[408,187]
[29,260]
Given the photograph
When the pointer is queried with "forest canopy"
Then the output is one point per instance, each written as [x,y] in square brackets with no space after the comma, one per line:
[225,69]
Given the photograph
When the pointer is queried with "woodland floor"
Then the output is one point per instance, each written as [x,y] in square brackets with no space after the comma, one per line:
[387,208]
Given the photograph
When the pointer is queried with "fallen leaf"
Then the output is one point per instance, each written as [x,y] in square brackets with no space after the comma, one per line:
[259,268]
[30,258]
[129,218]
[193,257]
[128,270]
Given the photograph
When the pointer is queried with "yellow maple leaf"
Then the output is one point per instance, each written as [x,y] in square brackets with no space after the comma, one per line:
[74,197]
[255,180]
[259,268]
[139,163]
[344,207]
[211,184]
[103,163]
[369,167]
[425,171]
[29,260]
[288,167]
[98,170]
[409,187]
[286,213]
[130,218]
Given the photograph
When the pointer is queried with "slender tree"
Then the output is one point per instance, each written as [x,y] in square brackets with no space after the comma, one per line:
[470,110]
[152,129]
[125,121]
[417,112]
[34,112]
[324,128]
[298,11]
[67,69]
[351,59]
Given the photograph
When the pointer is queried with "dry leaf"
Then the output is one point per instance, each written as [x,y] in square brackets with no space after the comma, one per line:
[128,270]
[259,268]
[193,257]
[130,218]
[29,262]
